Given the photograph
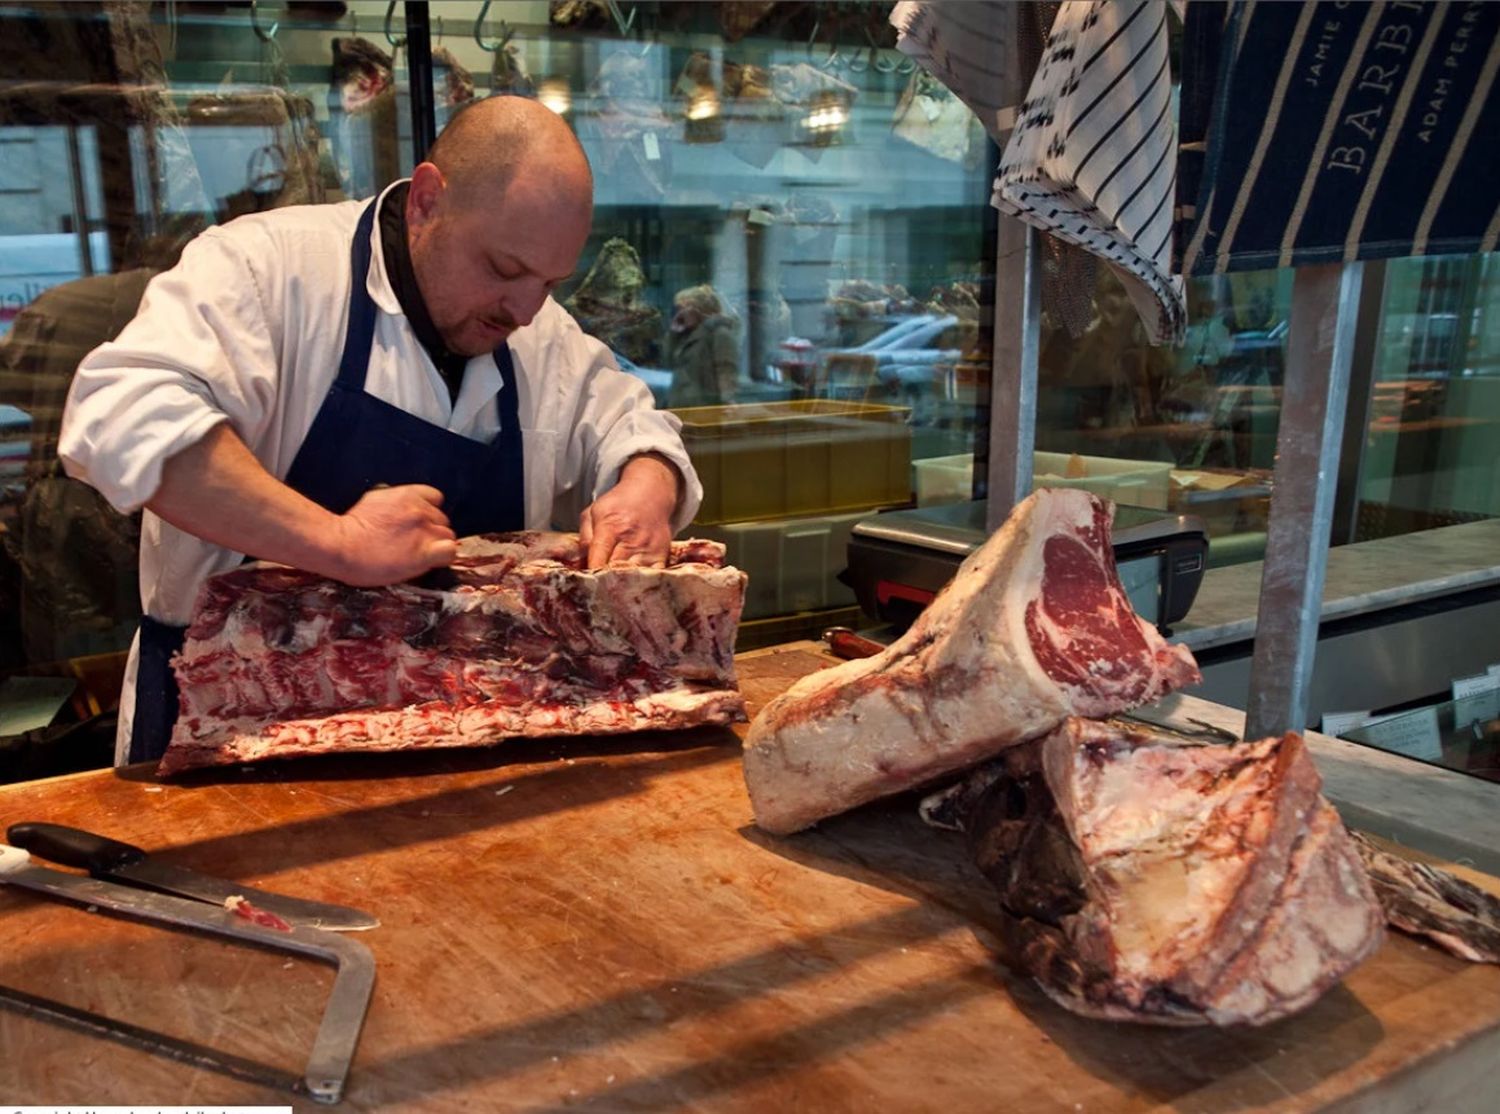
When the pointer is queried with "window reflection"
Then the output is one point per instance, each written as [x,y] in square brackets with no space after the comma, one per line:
[787,247]
[1430,456]
[1191,428]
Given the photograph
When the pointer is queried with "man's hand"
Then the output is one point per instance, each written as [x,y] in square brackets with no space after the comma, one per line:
[393,534]
[216,490]
[632,521]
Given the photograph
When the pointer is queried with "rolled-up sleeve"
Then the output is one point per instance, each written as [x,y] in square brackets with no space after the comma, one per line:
[201,351]
[616,419]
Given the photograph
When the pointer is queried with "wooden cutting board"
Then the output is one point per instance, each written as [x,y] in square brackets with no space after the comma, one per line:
[597,923]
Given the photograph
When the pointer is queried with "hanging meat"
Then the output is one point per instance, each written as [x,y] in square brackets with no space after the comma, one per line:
[1147,876]
[508,72]
[756,120]
[457,84]
[516,638]
[632,136]
[1034,627]
[740,17]
[932,118]
[361,72]
[609,303]
[367,139]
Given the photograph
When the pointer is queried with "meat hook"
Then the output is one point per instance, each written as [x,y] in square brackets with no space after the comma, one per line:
[833,60]
[505,32]
[390,13]
[623,23]
[260,33]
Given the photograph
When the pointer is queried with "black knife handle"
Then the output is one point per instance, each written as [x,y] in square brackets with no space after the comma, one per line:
[73,847]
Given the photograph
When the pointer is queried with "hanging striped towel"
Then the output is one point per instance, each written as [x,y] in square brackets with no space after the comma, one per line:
[1093,158]
[969,48]
[1328,132]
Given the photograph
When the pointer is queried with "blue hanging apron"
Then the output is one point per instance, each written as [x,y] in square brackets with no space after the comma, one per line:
[357,442]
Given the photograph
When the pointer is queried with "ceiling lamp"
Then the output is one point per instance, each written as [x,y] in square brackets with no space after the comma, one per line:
[555,94]
[827,113]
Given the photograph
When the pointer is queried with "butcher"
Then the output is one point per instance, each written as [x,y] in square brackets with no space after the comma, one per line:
[349,388]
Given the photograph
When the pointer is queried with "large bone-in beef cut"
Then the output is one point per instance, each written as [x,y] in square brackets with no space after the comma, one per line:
[1145,876]
[1034,627]
[516,638]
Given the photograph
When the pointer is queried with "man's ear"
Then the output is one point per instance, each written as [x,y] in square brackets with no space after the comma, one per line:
[427,188]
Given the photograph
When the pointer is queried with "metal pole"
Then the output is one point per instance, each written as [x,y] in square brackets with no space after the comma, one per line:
[419,74]
[1017,343]
[1351,474]
[1017,320]
[80,203]
[1314,395]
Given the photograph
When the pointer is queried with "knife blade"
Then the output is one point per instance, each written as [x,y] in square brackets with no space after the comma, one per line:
[112,860]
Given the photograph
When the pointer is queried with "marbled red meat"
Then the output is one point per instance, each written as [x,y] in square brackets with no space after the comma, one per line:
[1033,627]
[516,638]
[1082,629]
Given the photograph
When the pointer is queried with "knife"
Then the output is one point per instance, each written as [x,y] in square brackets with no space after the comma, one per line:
[111,860]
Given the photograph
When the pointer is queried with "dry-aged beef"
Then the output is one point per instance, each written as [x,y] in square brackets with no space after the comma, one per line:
[1144,876]
[1426,901]
[516,638]
[1033,627]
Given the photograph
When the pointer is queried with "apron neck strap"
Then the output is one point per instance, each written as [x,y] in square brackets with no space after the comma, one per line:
[359,337]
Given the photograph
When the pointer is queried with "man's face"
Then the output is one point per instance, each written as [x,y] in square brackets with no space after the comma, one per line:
[486,263]
[685,318]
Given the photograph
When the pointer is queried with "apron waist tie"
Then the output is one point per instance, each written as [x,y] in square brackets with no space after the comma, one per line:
[156,700]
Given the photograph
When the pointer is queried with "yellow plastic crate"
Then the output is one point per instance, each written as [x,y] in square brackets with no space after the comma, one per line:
[808,456]
[1137,483]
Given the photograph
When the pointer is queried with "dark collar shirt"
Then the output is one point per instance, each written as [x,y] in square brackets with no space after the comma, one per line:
[398,268]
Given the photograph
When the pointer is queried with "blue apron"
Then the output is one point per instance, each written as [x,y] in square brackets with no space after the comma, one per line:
[357,442]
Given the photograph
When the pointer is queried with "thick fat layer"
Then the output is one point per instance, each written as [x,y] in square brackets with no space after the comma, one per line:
[521,629]
[962,684]
[1322,922]
[1220,884]
[442,725]
[1172,835]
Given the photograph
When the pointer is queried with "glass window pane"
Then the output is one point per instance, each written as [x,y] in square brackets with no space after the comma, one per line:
[125,130]
[1189,428]
[1430,456]
[788,246]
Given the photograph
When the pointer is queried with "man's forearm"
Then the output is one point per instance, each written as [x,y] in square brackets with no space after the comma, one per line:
[667,463]
[216,490]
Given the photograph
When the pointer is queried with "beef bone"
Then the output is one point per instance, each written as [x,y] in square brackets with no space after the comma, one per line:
[1144,876]
[1033,627]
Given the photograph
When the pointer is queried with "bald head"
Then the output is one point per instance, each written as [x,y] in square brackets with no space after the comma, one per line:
[500,140]
[496,218]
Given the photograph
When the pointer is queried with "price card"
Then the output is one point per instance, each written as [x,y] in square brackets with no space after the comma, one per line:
[1475,707]
[1414,734]
[1473,686]
[653,148]
[1336,723]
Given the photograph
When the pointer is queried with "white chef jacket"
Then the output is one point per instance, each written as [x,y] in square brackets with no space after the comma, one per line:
[249,327]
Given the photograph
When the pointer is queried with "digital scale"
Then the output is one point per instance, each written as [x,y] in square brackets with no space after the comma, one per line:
[898,561]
